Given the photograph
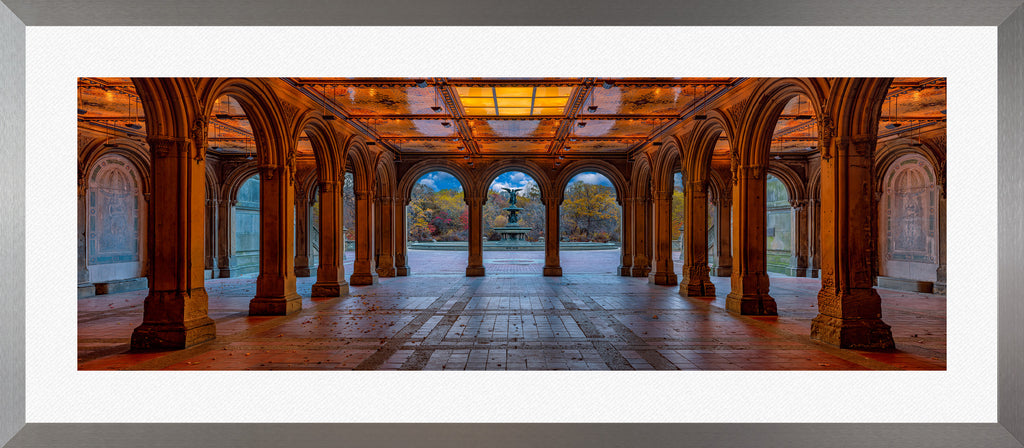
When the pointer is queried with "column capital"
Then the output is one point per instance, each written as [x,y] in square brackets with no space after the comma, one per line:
[268,171]
[169,147]
[363,194]
[552,201]
[750,171]
[329,186]
[798,203]
[475,200]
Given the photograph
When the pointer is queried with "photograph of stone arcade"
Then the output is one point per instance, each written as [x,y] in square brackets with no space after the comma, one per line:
[511,223]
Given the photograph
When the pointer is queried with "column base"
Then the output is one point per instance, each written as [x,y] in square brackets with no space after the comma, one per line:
[172,336]
[814,273]
[302,271]
[860,334]
[939,288]
[475,271]
[386,272]
[759,305]
[722,271]
[86,290]
[663,278]
[275,306]
[625,271]
[796,272]
[402,271]
[361,279]
[640,271]
[552,271]
[329,289]
[698,290]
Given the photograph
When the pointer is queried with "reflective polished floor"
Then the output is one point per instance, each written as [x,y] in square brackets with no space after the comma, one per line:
[513,319]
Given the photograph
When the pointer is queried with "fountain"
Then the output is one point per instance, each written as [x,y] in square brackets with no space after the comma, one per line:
[512,233]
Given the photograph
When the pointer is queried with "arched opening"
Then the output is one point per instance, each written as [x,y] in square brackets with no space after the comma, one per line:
[779,227]
[438,225]
[348,198]
[678,226]
[590,225]
[513,225]
[788,219]
[247,228]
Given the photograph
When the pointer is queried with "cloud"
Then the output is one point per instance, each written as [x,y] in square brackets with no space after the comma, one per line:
[592,179]
[426,180]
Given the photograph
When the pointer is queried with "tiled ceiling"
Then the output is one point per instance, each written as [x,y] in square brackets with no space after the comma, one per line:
[521,116]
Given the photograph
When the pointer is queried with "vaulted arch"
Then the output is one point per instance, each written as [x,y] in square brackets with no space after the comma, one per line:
[599,166]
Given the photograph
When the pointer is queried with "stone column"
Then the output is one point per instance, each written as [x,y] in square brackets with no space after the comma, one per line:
[663,270]
[85,287]
[724,268]
[175,311]
[641,230]
[798,257]
[330,275]
[363,269]
[275,286]
[475,265]
[749,293]
[552,263]
[849,308]
[696,273]
[813,239]
[940,233]
[386,257]
[226,262]
[301,234]
[626,237]
[401,232]
[211,237]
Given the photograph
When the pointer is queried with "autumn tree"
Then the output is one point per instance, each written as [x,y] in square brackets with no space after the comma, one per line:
[589,213]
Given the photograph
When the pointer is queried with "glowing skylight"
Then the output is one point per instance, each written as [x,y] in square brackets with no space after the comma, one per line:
[509,101]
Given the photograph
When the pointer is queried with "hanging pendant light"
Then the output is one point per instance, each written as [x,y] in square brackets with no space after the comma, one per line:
[134,123]
[896,118]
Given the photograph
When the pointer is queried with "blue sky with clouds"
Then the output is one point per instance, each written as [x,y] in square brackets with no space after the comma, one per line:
[440,180]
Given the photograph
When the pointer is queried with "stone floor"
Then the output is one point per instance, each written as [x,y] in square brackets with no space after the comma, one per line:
[513,319]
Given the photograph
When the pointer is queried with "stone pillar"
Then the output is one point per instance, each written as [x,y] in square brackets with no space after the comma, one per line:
[275,286]
[641,230]
[475,265]
[849,308]
[724,267]
[749,293]
[663,270]
[813,238]
[696,273]
[330,275]
[626,236]
[940,233]
[363,269]
[552,264]
[401,232]
[226,261]
[301,234]
[210,260]
[175,311]
[386,227]
[798,257]
[85,287]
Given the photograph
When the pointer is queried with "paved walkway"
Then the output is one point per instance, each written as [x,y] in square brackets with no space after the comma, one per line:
[513,319]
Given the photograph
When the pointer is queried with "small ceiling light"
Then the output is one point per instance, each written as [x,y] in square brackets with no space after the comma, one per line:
[656,143]
[465,157]
[582,124]
[371,143]
[799,109]
[222,116]
[592,109]
[607,85]
[460,148]
[566,148]
[446,124]
[436,109]
[82,111]
[135,126]
[561,157]
[700,115]
[421,83]
[943,111]
[777,157]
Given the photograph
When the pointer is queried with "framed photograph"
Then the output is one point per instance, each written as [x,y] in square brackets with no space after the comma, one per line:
[479,63]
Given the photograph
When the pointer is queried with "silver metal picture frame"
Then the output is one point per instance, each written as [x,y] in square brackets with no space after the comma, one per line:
[1006,15]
